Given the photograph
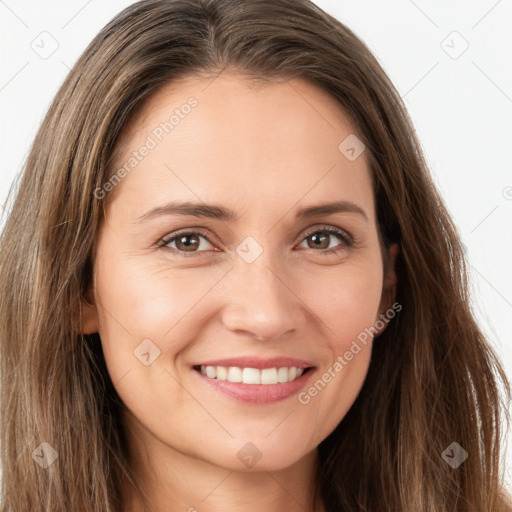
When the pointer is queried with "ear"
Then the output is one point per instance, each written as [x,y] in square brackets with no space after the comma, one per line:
[88,314]
[388,288]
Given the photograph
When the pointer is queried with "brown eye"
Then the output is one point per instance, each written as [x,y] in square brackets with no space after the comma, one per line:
[321,239]
[186,242]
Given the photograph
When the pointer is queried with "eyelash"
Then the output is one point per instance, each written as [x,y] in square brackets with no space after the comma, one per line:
[348,241]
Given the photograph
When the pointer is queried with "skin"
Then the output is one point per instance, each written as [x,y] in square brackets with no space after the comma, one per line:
[263,152]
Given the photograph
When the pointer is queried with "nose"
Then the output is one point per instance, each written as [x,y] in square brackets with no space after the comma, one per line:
[260,301]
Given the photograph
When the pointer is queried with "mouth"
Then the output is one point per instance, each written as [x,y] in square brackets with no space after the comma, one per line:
[255,381]
[253,376]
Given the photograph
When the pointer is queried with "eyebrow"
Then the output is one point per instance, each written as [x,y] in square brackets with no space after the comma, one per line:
[212,211]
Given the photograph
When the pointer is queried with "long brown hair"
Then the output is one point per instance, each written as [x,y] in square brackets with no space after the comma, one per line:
[433,378]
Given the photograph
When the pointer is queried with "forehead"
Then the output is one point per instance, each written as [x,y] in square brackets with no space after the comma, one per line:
[223,139]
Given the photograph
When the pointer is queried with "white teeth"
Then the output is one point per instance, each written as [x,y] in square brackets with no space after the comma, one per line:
[269,376]
[282,374]
[222,373]
[252,375]
[234,374]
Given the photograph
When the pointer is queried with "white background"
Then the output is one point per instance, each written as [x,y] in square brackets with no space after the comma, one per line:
[461,108]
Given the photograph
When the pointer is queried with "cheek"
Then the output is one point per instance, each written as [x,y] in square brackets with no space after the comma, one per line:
[142,300]
[346,300]
[347,306]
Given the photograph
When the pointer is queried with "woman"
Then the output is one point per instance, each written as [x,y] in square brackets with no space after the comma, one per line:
[228,282]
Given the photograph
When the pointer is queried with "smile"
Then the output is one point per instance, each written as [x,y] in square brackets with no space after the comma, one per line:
[266,376]
[254,380]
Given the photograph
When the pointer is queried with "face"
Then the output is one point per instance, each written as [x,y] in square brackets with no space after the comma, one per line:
[254,283]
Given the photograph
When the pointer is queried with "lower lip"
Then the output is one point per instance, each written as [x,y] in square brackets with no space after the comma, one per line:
[257,393]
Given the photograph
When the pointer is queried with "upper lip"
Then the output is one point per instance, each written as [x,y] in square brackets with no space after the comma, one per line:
[258,362]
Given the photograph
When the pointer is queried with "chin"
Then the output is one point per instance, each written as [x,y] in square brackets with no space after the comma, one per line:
[260,455]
